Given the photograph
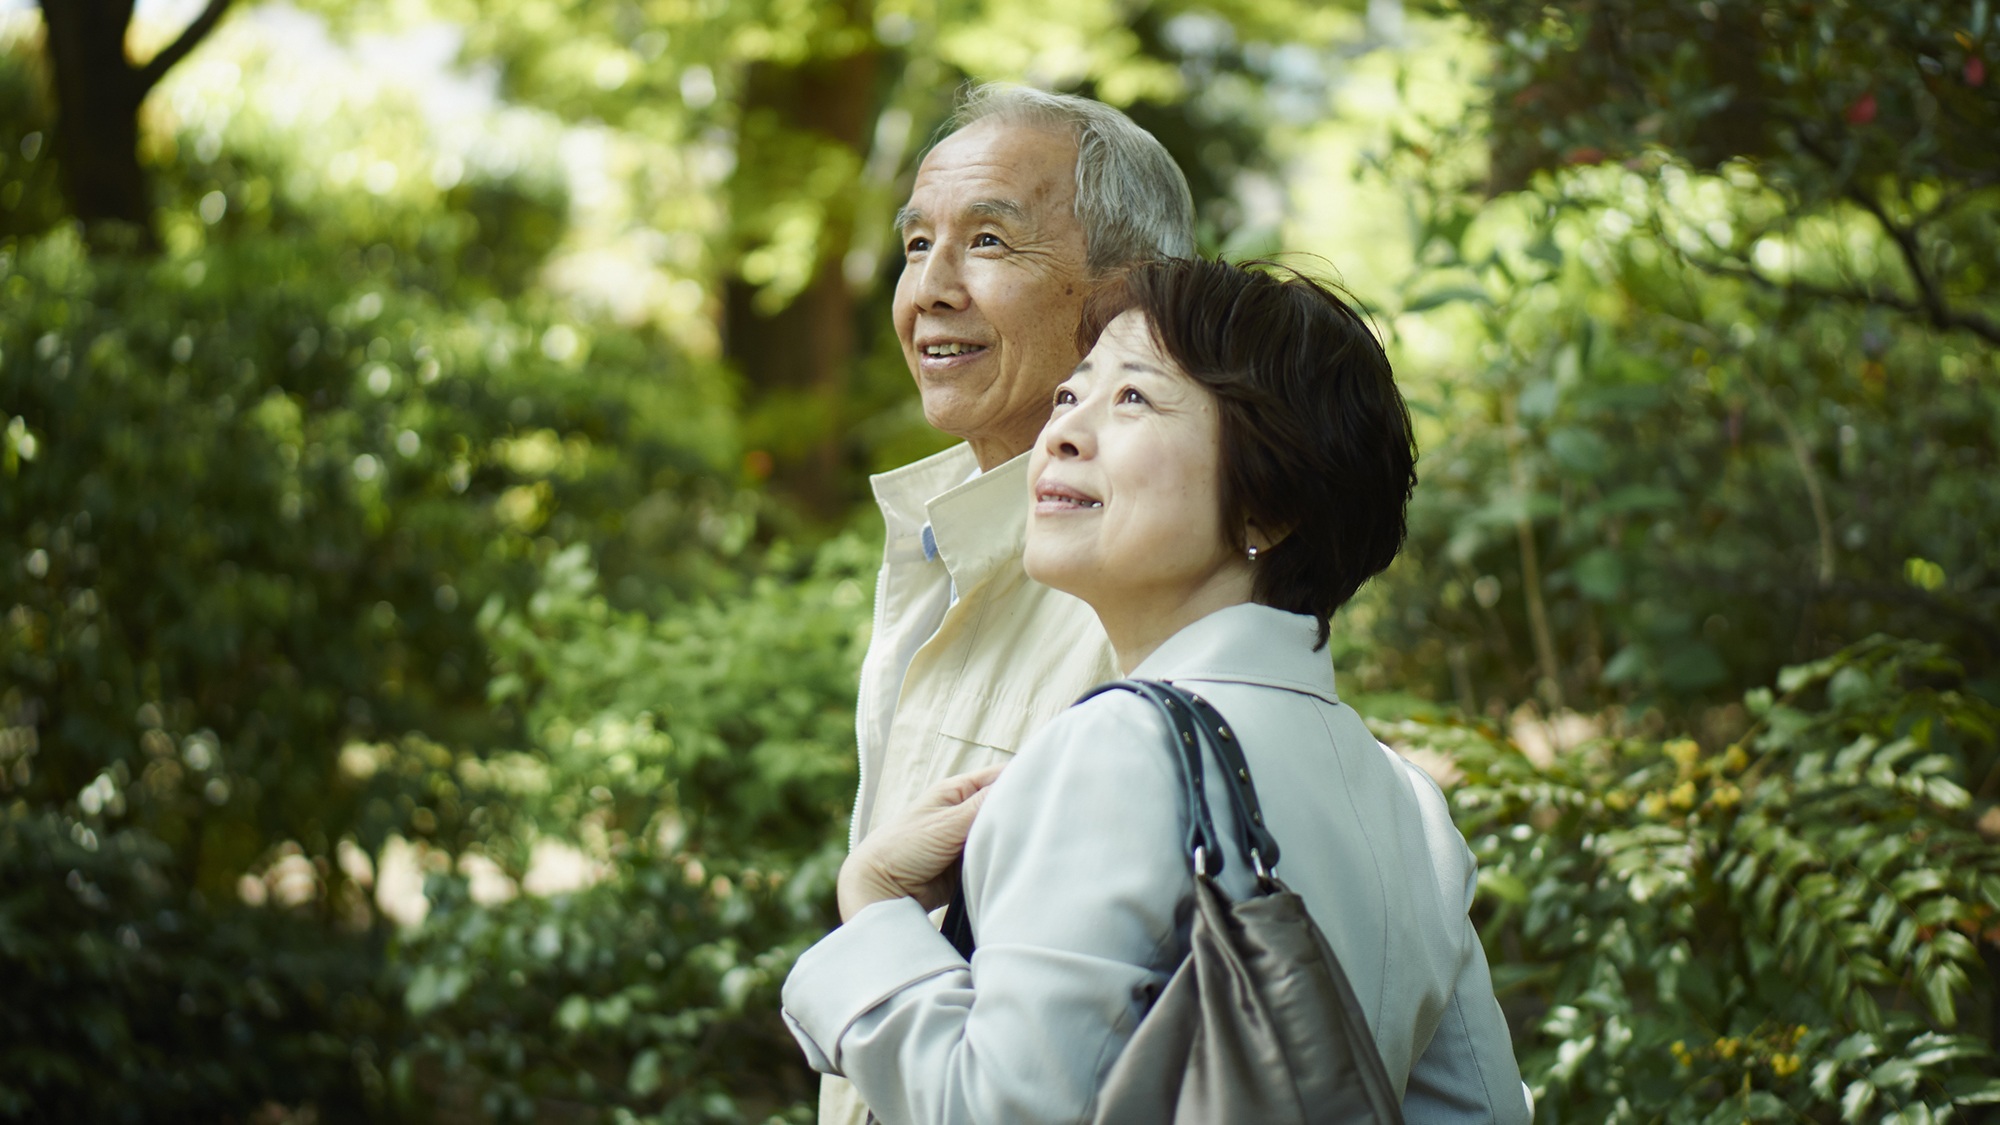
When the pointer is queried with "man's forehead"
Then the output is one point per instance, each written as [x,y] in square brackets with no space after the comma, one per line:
[994,169]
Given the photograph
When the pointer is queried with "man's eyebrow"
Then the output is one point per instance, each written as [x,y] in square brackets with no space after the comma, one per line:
[999,209]
[985,208]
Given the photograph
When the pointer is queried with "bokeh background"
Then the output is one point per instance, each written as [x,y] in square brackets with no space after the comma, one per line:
[434,552]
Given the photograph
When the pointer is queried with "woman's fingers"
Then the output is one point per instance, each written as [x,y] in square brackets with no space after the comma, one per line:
[909,855]
[958,788]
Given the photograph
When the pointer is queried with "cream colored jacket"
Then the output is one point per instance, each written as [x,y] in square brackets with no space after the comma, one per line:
[1009,655]
[1077,889]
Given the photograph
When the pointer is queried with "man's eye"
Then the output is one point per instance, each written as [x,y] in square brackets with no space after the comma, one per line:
[916,245]
[987,240]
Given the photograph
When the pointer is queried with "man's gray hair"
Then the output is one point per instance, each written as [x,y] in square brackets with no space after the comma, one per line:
[1131,197]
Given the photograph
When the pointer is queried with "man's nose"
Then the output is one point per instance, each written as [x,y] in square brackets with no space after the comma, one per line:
[940,281]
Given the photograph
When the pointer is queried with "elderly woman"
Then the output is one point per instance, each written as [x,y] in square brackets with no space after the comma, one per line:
[1228,464]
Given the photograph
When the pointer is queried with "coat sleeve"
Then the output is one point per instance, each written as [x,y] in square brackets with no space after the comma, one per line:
[1468,1073]
[1074,879]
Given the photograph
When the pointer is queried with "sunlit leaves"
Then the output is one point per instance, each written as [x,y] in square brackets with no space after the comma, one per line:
[1784,926]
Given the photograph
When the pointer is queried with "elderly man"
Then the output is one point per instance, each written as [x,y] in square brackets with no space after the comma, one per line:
[1013,216]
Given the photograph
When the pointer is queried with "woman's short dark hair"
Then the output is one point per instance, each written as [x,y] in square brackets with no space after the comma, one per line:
[1316,439]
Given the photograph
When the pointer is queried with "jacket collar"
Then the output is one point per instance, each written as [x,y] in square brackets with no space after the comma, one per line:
[1246,644]
[978,524]
[904,493]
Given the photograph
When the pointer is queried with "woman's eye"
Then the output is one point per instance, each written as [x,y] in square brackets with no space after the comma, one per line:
[1131,394]
[1065,397]
[987,240]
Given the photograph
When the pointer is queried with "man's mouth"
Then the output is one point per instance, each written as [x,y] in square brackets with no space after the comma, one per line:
[949,349]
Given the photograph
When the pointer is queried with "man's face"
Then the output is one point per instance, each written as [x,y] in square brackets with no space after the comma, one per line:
[993,283]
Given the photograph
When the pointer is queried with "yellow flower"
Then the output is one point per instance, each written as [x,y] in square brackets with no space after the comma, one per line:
[1727,1047]
[1683,795]
[1784,1066]
[1735,759]
[1683,751]
[1653,804]
[1681,1055]
[1618,800]
[1726,795]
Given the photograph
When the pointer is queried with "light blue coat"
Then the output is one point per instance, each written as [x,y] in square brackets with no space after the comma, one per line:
[1078,894]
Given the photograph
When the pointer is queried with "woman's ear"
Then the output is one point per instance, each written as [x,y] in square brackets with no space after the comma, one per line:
[1258,536]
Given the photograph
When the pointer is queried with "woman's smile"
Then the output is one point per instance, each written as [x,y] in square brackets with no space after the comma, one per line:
[1053,497]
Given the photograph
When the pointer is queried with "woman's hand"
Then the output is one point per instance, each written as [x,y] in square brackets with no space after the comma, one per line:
[913,855]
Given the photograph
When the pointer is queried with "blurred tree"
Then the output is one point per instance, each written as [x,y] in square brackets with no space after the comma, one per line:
[817,113]
[1888,108]
[1733,353]
[98,92]
[256,490]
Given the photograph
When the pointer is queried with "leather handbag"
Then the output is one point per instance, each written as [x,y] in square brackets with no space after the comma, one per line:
[1259,1023]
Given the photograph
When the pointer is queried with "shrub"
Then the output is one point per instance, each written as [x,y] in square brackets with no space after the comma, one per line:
[1787,928]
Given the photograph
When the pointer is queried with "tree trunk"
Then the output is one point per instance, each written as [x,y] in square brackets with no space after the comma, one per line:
[98,93]
[797,359]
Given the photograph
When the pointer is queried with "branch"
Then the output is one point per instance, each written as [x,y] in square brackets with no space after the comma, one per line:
[1933,305]
[149,75]
[1974,186]
[1975,323]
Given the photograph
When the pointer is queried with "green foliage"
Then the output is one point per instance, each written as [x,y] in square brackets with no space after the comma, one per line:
[706,757]
[1782,930]
[254,493]
[1724,399]
[130,999]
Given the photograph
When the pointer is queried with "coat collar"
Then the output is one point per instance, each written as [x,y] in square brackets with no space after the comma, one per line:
[978,524]
[1246,644]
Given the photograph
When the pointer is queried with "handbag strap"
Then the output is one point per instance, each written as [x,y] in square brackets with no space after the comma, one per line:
[1256,838]
[1193,723]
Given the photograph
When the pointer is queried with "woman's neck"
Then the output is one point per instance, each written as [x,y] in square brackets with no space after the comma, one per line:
[1138,625]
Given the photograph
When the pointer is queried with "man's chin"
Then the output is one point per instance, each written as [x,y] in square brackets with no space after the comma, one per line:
[951,413]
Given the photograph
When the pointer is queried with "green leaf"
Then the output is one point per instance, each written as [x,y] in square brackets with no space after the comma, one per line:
[1446,295]
[1503,885]
[1975,1091]
[1855,1100]
[1895,1074]
[646,1075]
[1940,988]
[1762,1105]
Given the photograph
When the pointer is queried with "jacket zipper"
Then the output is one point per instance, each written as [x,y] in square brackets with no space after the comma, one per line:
[861,711]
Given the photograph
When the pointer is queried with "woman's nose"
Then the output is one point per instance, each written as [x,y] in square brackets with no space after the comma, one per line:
[1066,436]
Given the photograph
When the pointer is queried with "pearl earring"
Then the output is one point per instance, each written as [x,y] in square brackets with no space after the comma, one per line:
[1250,552]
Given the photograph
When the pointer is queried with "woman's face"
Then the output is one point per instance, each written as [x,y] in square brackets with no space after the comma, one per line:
[1125,489]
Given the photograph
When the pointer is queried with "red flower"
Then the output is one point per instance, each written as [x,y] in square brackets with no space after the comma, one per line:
[1975,71]
[1584,155]
[1862,111]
